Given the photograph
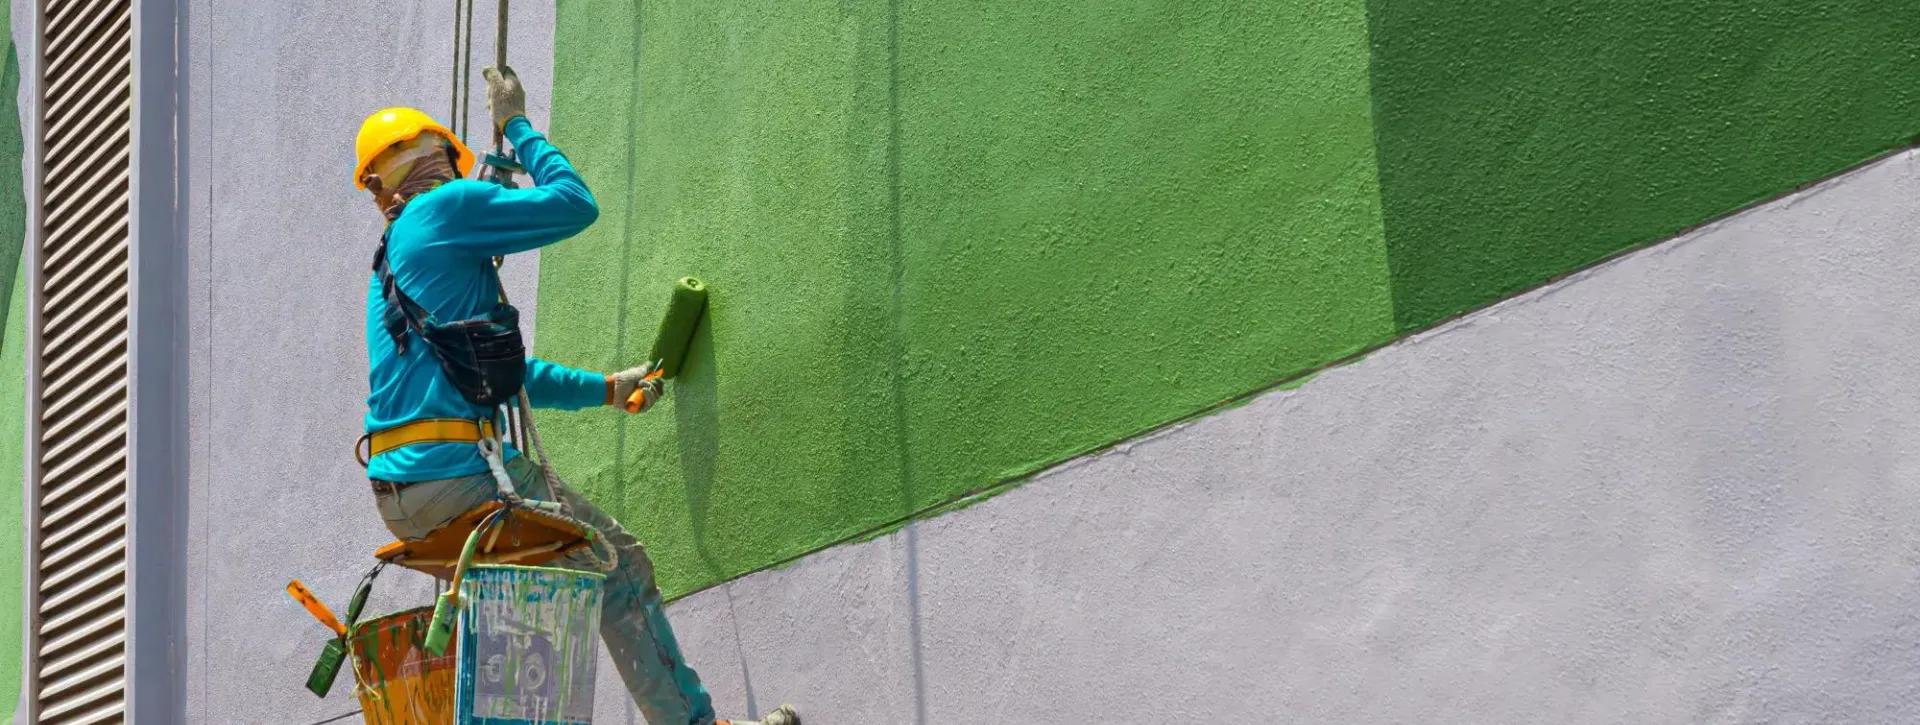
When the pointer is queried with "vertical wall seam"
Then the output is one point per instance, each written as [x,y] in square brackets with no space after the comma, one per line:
[896,232]
[903,442]
[206,455]
[627,225]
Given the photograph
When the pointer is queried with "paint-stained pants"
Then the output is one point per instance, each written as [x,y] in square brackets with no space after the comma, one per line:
[633,621]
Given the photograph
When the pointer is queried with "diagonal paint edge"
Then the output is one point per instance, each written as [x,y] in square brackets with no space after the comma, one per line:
[1294,381]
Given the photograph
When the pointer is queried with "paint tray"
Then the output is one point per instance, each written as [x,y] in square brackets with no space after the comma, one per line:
[529,638]
[397,681]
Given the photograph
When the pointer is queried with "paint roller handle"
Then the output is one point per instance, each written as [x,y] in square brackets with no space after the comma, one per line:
[638,396]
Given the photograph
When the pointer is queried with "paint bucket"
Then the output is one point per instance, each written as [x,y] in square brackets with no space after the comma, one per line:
[397,681]
[528,641]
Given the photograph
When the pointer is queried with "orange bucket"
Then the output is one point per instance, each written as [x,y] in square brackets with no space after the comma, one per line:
[397,680]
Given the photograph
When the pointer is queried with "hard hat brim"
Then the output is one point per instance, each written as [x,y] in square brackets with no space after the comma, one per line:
[393,126]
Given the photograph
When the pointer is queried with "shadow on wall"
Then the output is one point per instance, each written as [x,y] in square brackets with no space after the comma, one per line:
[696,410]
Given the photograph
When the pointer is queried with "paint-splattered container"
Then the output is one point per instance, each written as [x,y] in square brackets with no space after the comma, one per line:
[397,681]
[529,638]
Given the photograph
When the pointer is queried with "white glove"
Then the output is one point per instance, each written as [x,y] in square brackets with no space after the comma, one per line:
[505,96]
[625,382]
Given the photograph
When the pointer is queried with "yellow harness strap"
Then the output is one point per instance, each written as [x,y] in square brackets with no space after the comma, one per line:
[427,430]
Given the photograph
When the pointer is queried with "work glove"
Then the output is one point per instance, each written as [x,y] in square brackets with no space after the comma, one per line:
[625,382]
[505,96]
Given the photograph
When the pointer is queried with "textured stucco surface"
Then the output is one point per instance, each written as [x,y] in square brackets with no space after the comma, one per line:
[1672,489]
[1521,139]
[13,436]
[279,249]
[13,229]
[743,144]
[948,244]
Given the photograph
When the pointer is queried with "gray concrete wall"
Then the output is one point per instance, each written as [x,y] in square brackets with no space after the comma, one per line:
[280,243]
[1678,488]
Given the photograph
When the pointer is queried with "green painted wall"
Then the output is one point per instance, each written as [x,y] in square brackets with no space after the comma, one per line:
[951,243]
[12,384]
[1520,139]
[13,391]
[744,143]
[1117,213]
[948,244]
[13,396]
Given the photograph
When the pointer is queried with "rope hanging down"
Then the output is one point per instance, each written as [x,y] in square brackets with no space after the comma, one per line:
[498,166]
[462,66]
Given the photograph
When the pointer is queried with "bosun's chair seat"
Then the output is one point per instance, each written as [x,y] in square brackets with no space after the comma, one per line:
[526,537]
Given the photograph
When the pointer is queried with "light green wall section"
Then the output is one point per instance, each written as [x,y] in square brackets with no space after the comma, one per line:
[12,469]
[1117,213]
[948,244]
[752,157]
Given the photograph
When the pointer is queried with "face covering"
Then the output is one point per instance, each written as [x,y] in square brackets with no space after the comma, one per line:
[394,165]
[409,169]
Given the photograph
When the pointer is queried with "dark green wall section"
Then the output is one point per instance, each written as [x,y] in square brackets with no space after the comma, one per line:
[948,244]
[1521,139]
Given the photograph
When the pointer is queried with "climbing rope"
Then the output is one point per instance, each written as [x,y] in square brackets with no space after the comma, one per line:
[466,75]
[516,417]
[453,107]
[499,61]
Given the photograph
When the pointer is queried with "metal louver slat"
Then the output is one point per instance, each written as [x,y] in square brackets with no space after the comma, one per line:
[63,524]
[82,289]
[91,540]
[73,627]
[76,446]
[92,398]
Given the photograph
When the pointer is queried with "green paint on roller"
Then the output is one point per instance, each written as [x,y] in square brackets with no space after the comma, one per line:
[684,308]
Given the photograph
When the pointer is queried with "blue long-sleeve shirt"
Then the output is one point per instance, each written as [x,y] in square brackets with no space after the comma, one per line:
[439,251]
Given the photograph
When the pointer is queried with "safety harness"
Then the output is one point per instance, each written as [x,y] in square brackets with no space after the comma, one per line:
[483,356]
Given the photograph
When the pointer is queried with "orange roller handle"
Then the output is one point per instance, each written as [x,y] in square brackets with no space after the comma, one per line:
[319,611]
[639,393]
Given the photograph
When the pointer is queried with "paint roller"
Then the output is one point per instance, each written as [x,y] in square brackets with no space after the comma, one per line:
[684,309]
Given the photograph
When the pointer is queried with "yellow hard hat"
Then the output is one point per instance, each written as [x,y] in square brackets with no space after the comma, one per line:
[389,126]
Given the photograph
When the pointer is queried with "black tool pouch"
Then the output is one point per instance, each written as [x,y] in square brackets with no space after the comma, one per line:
[484,357]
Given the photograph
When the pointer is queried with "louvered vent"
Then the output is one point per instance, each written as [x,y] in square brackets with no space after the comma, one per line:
[79,636]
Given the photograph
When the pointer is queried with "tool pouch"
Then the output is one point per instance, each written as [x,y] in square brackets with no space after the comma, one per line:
[483,357]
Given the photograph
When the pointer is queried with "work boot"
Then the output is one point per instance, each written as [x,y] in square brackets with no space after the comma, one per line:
[783,716]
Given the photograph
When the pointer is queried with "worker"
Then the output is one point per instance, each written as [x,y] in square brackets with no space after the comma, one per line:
[443,230]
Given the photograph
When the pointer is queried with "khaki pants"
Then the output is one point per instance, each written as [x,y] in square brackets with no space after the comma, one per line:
[633,621]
